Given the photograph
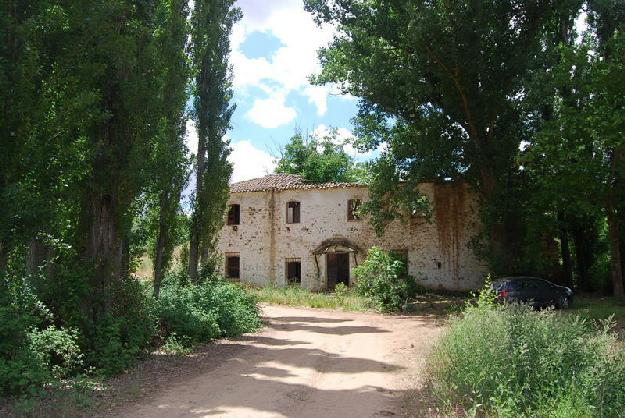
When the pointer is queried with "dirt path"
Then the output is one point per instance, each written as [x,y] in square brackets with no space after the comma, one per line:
[305,363]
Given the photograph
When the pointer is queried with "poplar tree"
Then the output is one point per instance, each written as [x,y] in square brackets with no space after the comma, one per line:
[212,22]
[170,161]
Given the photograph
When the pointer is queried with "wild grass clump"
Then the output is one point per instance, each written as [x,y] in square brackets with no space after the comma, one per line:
[512,361]
[344,298]
[205,311]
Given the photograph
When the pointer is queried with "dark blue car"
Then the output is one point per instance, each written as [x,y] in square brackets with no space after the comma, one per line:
[538,292]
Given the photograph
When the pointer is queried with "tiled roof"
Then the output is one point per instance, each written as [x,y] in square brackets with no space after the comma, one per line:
[283,182]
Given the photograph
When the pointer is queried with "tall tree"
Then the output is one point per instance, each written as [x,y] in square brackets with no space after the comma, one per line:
[211,22]
[117,45]
[19,87]
[441,83]
[170,162]
[577,154]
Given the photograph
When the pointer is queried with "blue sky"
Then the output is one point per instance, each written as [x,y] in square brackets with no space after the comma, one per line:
[274,51]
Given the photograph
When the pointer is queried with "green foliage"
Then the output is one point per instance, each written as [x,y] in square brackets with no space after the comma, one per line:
[175,345]
[318,160]
[58,349]
[202,312]
[441,85]
[512,361]
[383,279]
[295,295]
[32,354]
[116,341]
[211,25]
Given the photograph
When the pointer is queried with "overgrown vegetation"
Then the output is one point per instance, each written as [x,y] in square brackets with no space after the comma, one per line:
[346,299]
[382,284]
[93,110]
[211,309]
[35,354]
[512,361]
[383,279]
[514,98]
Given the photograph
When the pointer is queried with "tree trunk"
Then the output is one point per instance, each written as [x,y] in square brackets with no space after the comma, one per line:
[584,238]
[161,244]
[499,253]
[565,253]
[615,253]
[104,251]
[196,224]
[36,258]
[4,260]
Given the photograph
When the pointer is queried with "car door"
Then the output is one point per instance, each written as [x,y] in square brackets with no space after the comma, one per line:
[542,292]
[518,290]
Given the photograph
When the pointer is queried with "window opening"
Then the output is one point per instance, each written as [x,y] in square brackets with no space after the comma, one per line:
[293,212]
[234,215]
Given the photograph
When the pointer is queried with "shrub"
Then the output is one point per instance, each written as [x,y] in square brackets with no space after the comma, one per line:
[237,310]
[58,349]
[202,312]
[182,312]
[513,361]
[117,341]
[31,357]
[383,279]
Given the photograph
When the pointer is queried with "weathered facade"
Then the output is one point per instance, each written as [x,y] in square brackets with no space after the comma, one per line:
[281,229]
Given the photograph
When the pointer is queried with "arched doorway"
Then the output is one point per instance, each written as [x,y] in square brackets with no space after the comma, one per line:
[337,256]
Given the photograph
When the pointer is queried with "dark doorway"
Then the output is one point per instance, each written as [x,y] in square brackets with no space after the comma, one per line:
[338,269]
[293,271]
[233,266]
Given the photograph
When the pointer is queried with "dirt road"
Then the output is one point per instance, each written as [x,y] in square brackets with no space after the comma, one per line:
[305,363]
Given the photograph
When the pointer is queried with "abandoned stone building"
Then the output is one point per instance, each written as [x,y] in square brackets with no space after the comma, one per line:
[282,230]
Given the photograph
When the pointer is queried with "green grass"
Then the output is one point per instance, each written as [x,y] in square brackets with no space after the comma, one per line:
[297,296]
[440,306]
[513,361]
[598,308]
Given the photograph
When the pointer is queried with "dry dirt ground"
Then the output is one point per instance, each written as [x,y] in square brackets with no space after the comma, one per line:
[304,363]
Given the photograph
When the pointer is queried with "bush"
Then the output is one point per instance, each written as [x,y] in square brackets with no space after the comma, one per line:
[117,341]
[513,361]
[383,279]
[203,312]
[32,356]
[58,349]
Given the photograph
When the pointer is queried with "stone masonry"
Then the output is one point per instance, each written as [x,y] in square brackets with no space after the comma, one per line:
[259,248]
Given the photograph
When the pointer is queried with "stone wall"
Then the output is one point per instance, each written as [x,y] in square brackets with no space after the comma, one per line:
[438,255]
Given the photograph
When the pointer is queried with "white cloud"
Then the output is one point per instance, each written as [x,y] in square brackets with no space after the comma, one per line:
[318,95]
[271,112]
[249,162]
[343,137]
[190,139]
[289,67]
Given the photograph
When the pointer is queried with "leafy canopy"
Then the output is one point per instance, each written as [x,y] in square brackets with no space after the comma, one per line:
[319,160]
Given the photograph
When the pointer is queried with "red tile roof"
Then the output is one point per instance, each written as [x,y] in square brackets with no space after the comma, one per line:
[283,182]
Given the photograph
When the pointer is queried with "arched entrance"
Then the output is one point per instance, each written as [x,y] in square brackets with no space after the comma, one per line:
[337,253]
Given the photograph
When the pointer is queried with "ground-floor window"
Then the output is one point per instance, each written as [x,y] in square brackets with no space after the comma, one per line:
[233,265]
[293,271]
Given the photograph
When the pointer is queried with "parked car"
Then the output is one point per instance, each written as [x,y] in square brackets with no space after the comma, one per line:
[538,292]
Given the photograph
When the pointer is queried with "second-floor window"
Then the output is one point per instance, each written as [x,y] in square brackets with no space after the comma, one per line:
[234,215]
[292,212]
[353,206]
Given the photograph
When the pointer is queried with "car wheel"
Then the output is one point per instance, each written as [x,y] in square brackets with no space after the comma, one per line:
[563,302]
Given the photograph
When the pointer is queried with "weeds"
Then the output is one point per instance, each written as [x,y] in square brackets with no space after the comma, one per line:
[345,299]
[512,361]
